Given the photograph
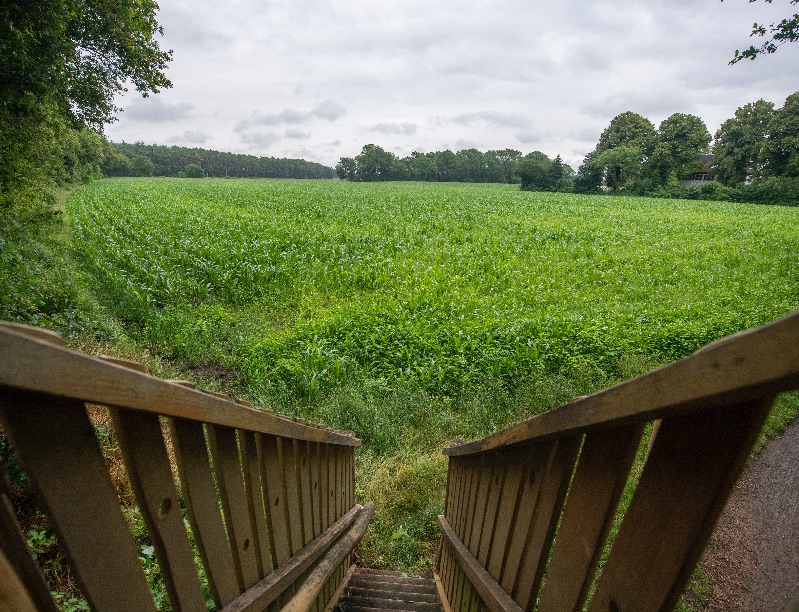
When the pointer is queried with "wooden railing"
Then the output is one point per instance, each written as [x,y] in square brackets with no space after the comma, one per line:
[529,509]
[270,500]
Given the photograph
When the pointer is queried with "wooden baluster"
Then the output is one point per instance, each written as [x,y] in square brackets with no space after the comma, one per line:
[143,449]
[202,507]
[56,445]
[691,469]
[602,472]
[255,498]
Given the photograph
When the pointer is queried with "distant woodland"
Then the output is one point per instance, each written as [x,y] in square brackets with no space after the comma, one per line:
[173,161]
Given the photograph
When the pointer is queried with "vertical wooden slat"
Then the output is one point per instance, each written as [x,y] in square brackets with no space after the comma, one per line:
[316,488]
[255,498]
[22,586]
[479,512]
[229,476]
[553,490]
[535,466]
[497,476]
[142,444]
[288,450]
[55,443]
[506,514]
[304,464]
[202,507]
[324,496]
[262,469]
[273,473]
[692,467]
[602,471]
[473,465]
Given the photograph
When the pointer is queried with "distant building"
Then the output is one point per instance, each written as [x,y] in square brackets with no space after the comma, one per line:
[702,177]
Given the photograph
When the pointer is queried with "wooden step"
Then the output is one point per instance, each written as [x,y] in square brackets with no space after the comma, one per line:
[389,591]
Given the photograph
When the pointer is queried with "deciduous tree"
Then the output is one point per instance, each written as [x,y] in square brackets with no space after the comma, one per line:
[782,146]
[739,144]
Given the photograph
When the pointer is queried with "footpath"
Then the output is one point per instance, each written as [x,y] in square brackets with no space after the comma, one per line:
[753,557]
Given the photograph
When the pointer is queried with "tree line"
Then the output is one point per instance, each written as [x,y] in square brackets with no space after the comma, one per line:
[755,156]
[196,163]
[374,163]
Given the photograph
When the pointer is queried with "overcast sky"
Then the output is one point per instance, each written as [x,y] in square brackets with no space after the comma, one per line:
[319,79]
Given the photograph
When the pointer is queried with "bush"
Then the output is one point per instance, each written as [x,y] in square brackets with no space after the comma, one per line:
[193,171]
[141,166]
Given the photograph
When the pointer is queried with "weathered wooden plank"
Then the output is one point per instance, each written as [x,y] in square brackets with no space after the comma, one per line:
[39,333]
[491,593]
[270,588]
[304,467]
[739,368]
[506,514]
[255,497]
[288,450]
[692,467]
[554,487]
[330,564]
[273,474]
[229,477]
[22,586]
[74,375]
[55,443]
[333,600]
[144,452]
[324,496]
[497,468]
[202,507]
[535,466]
[463,531]
[602,472]
[316,489]
[479,512]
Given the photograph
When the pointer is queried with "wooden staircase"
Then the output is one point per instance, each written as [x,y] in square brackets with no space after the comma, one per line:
[388,591]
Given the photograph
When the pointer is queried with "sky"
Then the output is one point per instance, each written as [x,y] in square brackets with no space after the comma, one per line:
[319,79]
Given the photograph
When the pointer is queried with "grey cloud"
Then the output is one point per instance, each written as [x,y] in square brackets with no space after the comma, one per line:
[297,134]
[189,137]
[527,136]
[652,103]
[260,139]
[407,128]
[155,110]
[328,110]
[494,118]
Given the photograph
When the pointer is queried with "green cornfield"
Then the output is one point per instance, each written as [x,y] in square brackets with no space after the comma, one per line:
[416,312]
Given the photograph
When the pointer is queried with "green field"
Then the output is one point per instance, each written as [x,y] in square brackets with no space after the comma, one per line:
[413,313]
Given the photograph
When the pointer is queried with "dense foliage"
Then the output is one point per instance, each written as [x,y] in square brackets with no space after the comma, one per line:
[61,65]
[755,156]
[374,163]
[173,160]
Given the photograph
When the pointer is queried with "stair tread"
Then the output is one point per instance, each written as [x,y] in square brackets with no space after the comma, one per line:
[390,591]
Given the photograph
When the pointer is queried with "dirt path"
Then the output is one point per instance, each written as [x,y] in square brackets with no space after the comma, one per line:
[753,558]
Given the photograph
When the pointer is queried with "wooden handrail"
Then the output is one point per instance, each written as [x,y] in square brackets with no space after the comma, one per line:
[529,509]
[33,364]
[268,498]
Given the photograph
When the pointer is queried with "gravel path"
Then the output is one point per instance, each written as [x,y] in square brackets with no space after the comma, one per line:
[753,557]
